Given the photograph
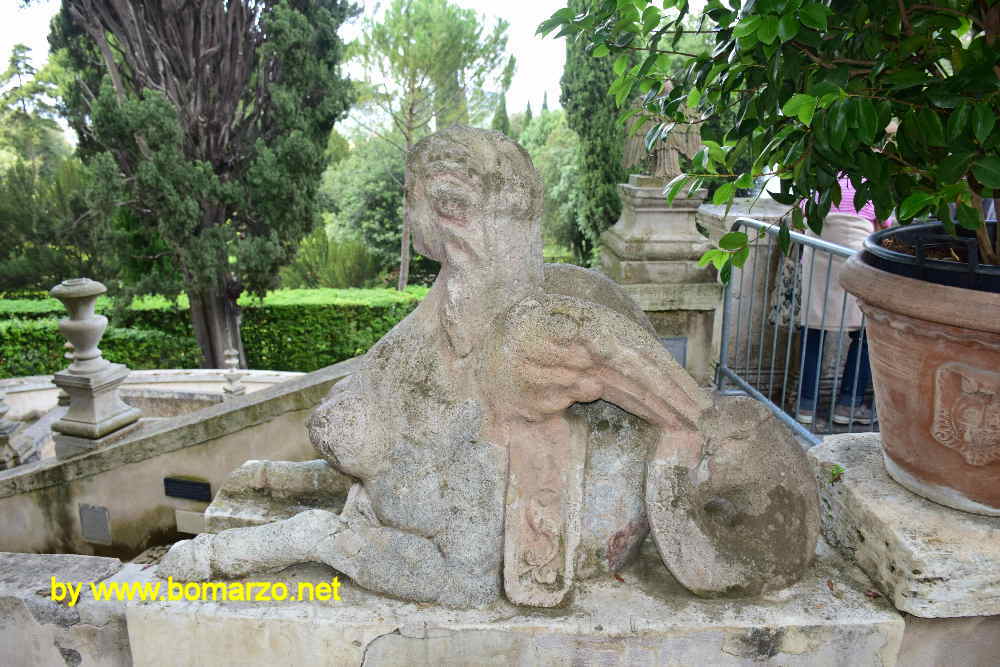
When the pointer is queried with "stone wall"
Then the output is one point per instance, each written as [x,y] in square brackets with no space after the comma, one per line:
[41,502]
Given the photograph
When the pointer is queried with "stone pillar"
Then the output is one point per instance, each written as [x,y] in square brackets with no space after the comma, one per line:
[96,412]
[652,252]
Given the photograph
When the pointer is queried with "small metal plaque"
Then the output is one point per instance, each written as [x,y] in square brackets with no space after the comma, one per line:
[677,347]
[95,524]
[176,487]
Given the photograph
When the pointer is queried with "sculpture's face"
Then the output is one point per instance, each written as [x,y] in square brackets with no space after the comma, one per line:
[443,195]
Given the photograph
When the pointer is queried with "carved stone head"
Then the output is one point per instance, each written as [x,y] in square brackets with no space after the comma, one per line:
[475,193]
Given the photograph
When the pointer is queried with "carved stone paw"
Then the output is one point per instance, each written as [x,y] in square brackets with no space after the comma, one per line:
[188,560]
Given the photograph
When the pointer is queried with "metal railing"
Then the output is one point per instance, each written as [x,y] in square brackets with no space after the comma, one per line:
[766,351]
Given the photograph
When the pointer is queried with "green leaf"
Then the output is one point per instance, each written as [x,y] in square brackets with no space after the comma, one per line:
[867,119]
[694,96]
[733,241]
[982,122]
[788,27]
[914,204]
[957,120]
[674,186]
[600,51]
[953,168]
[797,221]
[744,181]
[907,78]
[930,125]
[968,217]
[621,62]
[711,256]
[767,31]
[726,273]
[740,256]
[800,105]
[784,239]
[838,127]
[724,193]
[747,26]
[814,15]
[987,171]
[650,18]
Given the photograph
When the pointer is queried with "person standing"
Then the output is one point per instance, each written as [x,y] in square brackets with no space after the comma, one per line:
[826,308]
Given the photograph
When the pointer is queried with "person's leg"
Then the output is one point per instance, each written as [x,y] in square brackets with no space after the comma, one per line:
[852,388]
[855,383]
[812,351]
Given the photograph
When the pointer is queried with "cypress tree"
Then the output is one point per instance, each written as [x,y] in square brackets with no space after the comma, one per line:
[592,114]
[501,122]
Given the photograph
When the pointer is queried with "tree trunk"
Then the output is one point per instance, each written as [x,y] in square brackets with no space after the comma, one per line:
[404,256]
[215,316]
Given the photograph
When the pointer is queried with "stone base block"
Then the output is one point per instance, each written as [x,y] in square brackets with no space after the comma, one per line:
[931,561]
[68,445]
[645,619]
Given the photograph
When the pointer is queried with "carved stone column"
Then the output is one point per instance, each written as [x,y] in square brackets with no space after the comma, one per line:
[233,386]
[652,252]
[96,412]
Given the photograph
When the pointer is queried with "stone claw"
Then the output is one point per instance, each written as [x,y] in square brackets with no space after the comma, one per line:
[188,560]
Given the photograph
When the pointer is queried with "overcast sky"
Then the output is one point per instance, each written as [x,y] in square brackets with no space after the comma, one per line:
[540,61]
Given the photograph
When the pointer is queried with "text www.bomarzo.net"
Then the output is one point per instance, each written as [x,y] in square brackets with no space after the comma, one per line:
[194,591]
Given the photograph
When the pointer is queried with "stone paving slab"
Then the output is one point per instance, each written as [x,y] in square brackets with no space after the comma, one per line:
[646,619]
[930,560]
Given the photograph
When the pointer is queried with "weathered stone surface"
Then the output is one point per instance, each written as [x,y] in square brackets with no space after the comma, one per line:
[646,619]
[951,641]
[260,492]
[461,429]
[35,630]
[931,561]
[743,520]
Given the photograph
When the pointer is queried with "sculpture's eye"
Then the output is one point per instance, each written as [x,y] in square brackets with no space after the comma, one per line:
[451,198]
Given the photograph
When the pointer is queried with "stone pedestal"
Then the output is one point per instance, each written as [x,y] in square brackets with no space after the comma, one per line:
[91,382]
[652,252]
[645,618]
[9,455]
[931,561]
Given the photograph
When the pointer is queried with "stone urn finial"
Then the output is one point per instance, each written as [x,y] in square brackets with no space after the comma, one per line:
[84,328]
[96,411]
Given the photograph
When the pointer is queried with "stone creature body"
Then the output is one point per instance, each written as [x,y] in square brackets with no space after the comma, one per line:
[500,435]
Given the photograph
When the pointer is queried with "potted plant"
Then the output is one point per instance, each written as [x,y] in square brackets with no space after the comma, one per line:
[815,85]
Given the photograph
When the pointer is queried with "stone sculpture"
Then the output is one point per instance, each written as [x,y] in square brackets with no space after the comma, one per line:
[664,160]
[512,432]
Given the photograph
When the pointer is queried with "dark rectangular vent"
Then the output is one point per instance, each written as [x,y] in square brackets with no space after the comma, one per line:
[175,487]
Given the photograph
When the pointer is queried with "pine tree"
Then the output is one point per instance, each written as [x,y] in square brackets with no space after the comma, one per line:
[592,114]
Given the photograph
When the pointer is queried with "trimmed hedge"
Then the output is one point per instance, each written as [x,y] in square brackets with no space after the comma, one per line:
[290,330]
[35,347]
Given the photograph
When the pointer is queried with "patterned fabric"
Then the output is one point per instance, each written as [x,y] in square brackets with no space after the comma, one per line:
[786,295]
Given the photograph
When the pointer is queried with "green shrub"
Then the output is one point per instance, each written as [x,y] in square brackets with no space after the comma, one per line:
[35,347]
[290,330]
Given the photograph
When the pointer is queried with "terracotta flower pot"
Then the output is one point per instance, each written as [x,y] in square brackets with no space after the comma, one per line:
[935,354]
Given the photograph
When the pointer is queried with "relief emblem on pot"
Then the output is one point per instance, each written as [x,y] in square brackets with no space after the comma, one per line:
[967,412]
